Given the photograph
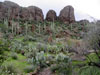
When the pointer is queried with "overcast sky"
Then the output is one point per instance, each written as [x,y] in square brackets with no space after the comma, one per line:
[83,8]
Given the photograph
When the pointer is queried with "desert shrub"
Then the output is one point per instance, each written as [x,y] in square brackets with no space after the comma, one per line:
[92,38]
[41,59]
[62,58]
[29,38]
[63,65]
[53,49]
[41,47]
[92,41]
[89,70]
[14,55]
[17,46]
[4,46]
[31,54]
[31,60]
[30,68]
[10,69]
[62,69]
[31,51]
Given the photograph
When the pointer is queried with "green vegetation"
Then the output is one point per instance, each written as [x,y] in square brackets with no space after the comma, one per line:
[46,45]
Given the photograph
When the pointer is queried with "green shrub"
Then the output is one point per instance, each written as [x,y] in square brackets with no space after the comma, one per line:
[30,68]
[62,69]
[14,55]
[4,46]
[63,65]
[89,70]
[41,59]
[10,69]
[29,38]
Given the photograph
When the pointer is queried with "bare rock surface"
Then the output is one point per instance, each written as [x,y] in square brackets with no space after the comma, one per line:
[51,15]
[10,10]
[67,14]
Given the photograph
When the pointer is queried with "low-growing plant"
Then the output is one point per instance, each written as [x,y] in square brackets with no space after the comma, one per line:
[4,46]
[14,55]
[10,69]
[89,70]
[29,38]
[30,68]
[62,65]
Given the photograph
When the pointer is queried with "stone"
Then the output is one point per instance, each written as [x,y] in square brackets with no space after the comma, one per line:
[36,13]
[8,10]
[13,9]
[51,15]
[67,14]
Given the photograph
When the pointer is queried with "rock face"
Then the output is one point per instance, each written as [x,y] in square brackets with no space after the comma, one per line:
[36,13]
[51,15]
[67,14]
[24,14]
[10,10]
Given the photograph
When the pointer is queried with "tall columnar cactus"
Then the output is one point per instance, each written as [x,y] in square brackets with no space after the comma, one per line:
[26,28]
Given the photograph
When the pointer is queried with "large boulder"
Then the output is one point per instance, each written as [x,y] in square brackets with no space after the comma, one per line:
[36,13]
[67,14]
[51,15]
[9,10]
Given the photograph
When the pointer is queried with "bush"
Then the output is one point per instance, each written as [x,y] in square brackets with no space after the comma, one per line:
[89,70]
[14,55]
[93,37]
[30,68]
[63,65]
[4,46]
[62,68]
[29,38]
[9,69]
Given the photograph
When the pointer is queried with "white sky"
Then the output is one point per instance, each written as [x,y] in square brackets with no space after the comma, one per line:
[83,8]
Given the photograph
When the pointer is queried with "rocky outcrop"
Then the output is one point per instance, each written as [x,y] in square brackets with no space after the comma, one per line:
[24,14]
[10,10]
[36,13]
[51,15]
[67,14]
